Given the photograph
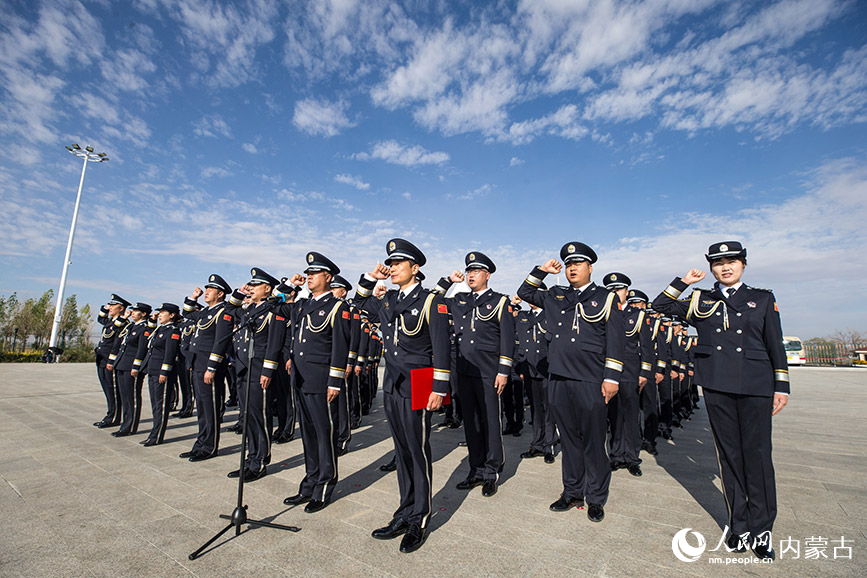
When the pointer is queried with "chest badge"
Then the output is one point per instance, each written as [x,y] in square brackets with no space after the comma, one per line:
[414,312]
[209,316]
[632,321]
[594,303]
[751,304]
[321,313]
[489,306]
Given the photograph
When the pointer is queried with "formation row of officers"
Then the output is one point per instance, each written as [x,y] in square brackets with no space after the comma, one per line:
[606,374]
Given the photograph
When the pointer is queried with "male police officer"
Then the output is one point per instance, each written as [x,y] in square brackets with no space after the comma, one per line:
[262,337]
[625,440]
[415,329]
[485,341]
[320,349]
[585,364]
[349,399]
[208,347]
[112,321]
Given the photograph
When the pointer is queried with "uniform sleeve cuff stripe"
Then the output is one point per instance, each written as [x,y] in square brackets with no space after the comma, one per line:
[440,375]
[645,365]
[364,292]
[672,291]
[781,376]
[269,364]
[534,281]
[166,367]
[338,373]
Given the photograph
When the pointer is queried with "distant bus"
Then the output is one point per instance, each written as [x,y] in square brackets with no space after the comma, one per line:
[795,353]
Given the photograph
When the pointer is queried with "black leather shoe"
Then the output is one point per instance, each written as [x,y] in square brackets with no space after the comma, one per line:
[469,484]
[97,423]
[394,529]
[296,500]
[413,540]
[355,424]
[532,454]
[595,512]
[389,467]
[251,476]
[149,443]
[104,424]
[202,456]
[188,454]
[617,465]
[341,452]
[234,474]
[549,458]
[516,431]
[735,544]
[634,469]
[314,506]
[489,488]
[666,435]
[764,551]
[565,504]
[454,424]
[120,434]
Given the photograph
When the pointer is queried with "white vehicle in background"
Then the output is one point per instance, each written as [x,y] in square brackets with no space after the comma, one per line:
[795,354]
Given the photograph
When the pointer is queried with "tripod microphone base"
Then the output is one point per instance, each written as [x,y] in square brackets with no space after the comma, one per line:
[236,520]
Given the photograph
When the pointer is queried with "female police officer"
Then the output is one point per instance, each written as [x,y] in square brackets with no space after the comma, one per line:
[741,365]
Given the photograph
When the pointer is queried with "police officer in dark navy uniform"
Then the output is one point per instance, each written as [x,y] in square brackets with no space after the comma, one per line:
[112,321]
[415,332]
[649,399]
[209,348]
[624,443]
[263,330]
[532,339]
[159,354]
[741,365]
[485,342]
[281,392]
[349,399]
[129,384]
[320,350]
[585,364]
[187,327]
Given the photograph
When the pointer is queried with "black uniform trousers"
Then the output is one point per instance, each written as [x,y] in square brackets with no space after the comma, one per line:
[186,387]
[343,430]
[624,443]
[161,405]
[665,402]
[209,403]
[410,430]
[483,427]
[649,401]
[319,436]
[253,407]
[581,415]
[513,403]
[130,399]
[741,428]
[543,418]
[109,388]
[353,388]
[364,390]
[283,402]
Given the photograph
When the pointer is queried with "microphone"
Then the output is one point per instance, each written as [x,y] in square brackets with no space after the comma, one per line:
[276,298]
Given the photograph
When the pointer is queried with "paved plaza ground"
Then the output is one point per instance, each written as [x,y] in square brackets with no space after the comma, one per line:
[75,501]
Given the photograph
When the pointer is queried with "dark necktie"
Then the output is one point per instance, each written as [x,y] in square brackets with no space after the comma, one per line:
[400,296]
[731,292]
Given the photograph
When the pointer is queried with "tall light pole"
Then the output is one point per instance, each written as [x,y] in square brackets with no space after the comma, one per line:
[87,154]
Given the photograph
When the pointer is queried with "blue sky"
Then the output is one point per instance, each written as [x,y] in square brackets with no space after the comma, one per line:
[248,133]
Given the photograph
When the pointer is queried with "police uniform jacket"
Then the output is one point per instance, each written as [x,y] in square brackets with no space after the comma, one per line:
[588,339]
[268,331]
[319,347]
[127,353]
[415,333]
[740,340]
[364,345]
[638,356]
[187,328]
[213,328]
[162,350]
[484,332]
[110,339]
[354,335]
[532,344]
[663,351]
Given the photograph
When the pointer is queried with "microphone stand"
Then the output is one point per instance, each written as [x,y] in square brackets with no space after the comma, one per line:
[239,515]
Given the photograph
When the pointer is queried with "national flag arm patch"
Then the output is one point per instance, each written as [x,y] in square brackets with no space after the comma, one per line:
[442,308]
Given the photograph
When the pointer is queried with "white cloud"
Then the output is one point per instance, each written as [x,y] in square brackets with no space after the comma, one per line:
[397,154]
[515,162]
[407,196]
[221,172]
[321,117]
[352,181]
[250,148]
[212,125]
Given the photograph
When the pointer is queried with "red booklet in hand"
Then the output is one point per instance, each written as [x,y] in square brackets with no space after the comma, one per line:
[421,382]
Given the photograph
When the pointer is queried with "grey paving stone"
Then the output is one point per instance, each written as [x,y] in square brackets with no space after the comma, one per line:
[75,501]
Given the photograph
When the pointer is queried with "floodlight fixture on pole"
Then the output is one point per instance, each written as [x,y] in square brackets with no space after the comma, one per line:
[89,156]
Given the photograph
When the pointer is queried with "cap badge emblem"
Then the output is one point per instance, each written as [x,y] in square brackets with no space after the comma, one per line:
[571,248]
[472,256]
[212,278]
[613,277]
[723,247]
[310,257]
[391,246]
[253,272]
